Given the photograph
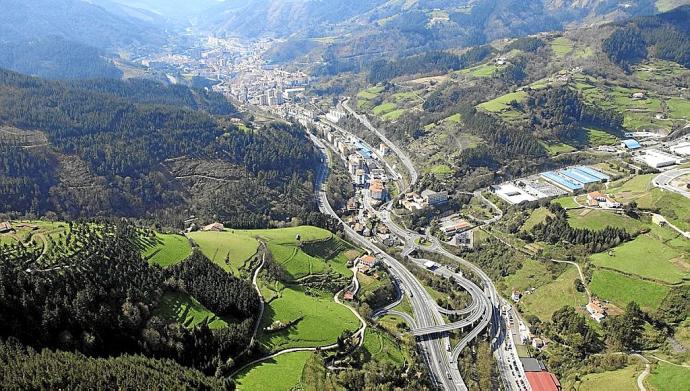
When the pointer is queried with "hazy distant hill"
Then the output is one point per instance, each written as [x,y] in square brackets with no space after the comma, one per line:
[68,39]
[357,31]
[73,20]
[170,10]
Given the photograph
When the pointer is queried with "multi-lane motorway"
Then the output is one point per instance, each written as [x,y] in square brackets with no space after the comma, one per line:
[428,323]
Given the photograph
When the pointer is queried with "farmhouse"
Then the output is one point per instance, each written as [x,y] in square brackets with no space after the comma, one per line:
[596,310]
[368,261]
[599,199]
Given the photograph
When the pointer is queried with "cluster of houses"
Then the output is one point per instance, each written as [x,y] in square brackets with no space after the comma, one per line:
[363,225]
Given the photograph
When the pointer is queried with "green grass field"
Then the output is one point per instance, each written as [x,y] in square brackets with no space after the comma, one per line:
[322,321]
[558,148]
[370,93]
[278,374]
[502,102]
[562,46]
[483,70]
[453,119]
[320,257]
[566,202]
[185,309]
[218,246]
[552,296]
[287,235]
[597,137]
[167,250]
[384,108]
[679,108]
[533,274]
[441,170]
[682,333]
[621,290]
[382,348]
[538,216]
[620,380]
[673,206]
[598,220]
[394,115]
[667,377]
[646,256]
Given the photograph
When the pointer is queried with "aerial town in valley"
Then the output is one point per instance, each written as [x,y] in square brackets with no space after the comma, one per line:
[345,195]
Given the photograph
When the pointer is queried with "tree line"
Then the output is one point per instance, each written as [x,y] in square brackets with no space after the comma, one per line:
[556,229]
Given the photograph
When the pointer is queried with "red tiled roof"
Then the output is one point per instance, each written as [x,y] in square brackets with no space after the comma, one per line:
[543,381]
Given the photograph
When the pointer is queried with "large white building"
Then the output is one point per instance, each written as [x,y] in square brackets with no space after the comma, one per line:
[682,149]
[658,159]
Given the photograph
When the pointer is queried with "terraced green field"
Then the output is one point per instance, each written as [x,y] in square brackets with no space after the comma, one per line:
[185,309]
[621,290]
[537,217]
[278,374]
[384,108]
[502,102]
[166,250]
[322,320]
[597,137]
[533,274]
[219,246]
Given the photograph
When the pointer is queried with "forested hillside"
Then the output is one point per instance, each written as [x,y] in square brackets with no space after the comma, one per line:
[135,149]
[347,36]
[665,36]
[96,295]
[58,39]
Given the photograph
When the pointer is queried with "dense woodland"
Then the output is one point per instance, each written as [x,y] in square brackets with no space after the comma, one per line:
[666,36]
[559,114]
[27,369]
[124,132]
[56,58]
[99,297]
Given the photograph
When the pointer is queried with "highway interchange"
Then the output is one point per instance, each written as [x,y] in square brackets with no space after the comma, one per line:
[428,323]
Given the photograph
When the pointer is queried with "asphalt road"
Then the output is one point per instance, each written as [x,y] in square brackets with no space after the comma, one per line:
[663,181]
